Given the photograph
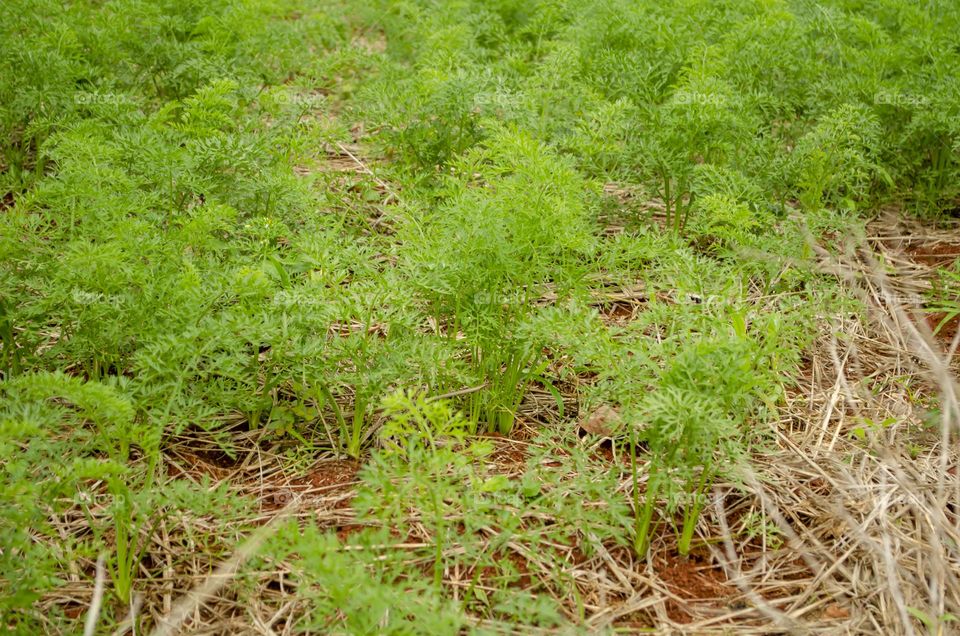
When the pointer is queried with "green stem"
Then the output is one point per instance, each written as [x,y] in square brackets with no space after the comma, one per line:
[359,408]
[438,555]
[692,513]
[643,518]
[679,209]
[645,527]
[666,196]
[636,485]
[11,357]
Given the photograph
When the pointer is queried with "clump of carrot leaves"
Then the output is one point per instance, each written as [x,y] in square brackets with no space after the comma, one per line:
[514,222]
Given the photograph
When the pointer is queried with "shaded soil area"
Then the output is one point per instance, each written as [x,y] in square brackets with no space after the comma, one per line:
[509,456]
[947,330]
[325,483]
[936,254]
[333,474]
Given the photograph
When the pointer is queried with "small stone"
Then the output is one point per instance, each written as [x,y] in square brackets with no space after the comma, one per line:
[603,421]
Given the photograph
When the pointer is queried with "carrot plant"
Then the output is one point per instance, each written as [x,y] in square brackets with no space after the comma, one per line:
[87,446]
[944,297]
[408,486]
[515,219]
[695,427]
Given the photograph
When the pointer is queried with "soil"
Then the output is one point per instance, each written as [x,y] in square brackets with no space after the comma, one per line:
[215,464]
[74,610]
[518,566]
[619,312]
[935,254]
[949,329]
[344,532]
[325,479]
[693,578]
[334,475]
[605,454]
[509,457]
